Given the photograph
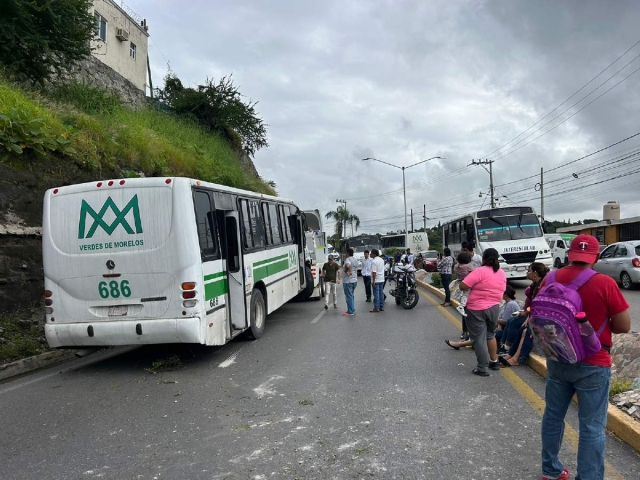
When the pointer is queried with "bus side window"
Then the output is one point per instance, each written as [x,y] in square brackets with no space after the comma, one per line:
[247,239]
[268,226]
[276,235]
[257,224]
[205,223]
[284,225]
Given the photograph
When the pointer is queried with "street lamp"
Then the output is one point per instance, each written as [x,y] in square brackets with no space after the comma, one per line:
[404,189]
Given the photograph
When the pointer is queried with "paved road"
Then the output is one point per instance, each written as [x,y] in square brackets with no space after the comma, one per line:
[632,296]
[318,396]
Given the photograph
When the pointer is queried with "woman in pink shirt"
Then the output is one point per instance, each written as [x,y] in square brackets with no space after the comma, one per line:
[486,285]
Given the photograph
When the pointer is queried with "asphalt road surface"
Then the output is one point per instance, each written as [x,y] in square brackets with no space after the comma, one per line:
[319,396]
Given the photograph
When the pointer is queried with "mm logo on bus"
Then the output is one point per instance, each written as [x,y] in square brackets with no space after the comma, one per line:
[293,258]
[417,238]
[120,219]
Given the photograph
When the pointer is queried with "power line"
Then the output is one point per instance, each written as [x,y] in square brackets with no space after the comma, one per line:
[568,118]
[573,161]
[573,95]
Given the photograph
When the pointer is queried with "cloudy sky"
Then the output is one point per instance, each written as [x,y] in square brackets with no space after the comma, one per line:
[403,81]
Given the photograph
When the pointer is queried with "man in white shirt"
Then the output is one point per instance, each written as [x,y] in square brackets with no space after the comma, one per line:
[377,277]
[410,257]
[366,274]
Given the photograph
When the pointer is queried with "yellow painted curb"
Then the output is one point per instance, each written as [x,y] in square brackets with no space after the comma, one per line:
[619,423]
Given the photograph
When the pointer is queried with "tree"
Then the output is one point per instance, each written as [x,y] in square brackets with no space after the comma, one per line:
[40,39]
[354,219]
[220,108]
[342,217]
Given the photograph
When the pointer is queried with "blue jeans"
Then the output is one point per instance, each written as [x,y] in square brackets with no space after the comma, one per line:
[446,281]
[591,383]
[511,329]
[367,286]
[527,345]
[349,295]
[378,295]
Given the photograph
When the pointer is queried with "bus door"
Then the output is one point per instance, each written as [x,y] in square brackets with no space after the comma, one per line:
[300,234]
[232,257]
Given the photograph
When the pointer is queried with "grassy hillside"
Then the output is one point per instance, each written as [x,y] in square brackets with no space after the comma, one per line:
[87,126]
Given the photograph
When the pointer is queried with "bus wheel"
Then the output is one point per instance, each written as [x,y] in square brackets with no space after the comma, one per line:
[258,315]
[557,263]
[309,287]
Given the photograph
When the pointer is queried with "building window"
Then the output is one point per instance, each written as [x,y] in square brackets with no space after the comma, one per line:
[132,50]
[101,26]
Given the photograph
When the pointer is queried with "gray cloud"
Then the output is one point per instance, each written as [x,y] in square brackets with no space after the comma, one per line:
[406,81]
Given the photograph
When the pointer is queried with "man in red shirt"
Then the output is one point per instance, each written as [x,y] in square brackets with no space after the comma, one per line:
[602,302]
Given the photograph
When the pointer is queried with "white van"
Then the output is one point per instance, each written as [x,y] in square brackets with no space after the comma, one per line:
[559,246]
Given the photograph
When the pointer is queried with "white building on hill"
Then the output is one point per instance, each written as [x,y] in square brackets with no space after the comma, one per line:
[121,41]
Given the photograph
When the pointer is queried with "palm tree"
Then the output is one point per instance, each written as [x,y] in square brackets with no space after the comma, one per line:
[353,219]
[341,216]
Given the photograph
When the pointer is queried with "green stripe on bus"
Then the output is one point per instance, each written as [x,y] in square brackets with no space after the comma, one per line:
[273,259]
[215,289]
[214,275]
[268,270]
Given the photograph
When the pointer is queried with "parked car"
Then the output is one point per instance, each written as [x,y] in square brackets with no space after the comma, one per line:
[621,261]
[430,262]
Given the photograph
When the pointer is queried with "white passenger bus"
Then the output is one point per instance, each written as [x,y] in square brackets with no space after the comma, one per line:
[416,241]
[515,232]
[166,260]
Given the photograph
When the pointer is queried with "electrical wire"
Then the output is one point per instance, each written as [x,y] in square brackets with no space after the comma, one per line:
[573,95]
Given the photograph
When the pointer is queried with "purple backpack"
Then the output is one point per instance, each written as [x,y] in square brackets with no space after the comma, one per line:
[556,331]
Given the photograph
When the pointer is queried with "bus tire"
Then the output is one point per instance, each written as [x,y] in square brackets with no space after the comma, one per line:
[557,263]
[257,315]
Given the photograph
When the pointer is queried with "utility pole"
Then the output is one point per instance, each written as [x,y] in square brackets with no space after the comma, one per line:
[411,220]
[482,163]
[542,194]
[424,217]
[344,223]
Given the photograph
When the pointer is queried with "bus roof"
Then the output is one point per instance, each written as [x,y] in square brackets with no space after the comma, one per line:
[162,181]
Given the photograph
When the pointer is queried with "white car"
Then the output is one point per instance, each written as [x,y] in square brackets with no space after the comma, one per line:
[621,261]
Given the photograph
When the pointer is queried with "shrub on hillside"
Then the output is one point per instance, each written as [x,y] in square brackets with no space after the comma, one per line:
[220,108]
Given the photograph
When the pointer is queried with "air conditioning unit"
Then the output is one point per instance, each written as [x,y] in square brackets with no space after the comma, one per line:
[122,34]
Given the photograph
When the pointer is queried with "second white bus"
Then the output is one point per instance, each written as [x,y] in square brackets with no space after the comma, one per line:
[515,232]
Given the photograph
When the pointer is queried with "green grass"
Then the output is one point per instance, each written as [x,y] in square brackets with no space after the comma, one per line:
[21,338]
[107,135]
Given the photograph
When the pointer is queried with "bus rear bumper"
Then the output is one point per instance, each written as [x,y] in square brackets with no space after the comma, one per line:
[124,332]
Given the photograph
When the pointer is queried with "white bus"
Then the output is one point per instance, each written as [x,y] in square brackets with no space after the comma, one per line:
[515,232]
[166,260]
[359,244]
[416,241]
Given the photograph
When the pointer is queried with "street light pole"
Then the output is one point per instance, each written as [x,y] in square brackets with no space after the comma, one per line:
[404,193]
[404,183]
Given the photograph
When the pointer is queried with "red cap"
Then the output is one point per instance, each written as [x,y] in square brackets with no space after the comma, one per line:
[584,248]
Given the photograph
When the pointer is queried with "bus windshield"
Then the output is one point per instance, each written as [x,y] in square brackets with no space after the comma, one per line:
[512,227]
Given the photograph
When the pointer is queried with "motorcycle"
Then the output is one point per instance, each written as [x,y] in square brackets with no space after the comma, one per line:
[405,293]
